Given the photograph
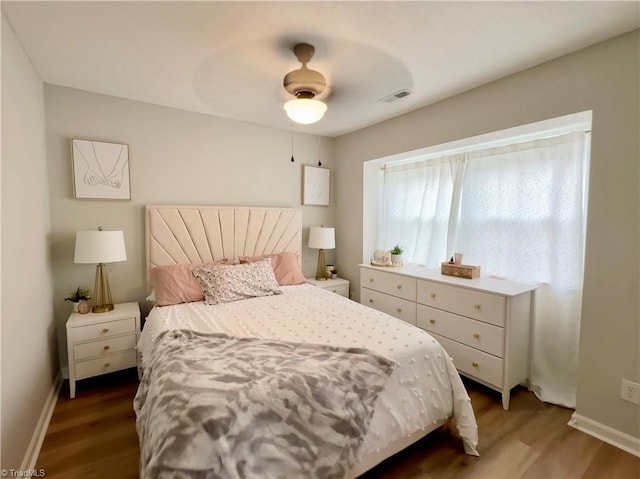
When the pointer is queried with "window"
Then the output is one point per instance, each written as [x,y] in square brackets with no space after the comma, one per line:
[517,209]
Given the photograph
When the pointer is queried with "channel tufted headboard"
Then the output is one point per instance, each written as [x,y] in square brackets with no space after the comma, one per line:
[194,234]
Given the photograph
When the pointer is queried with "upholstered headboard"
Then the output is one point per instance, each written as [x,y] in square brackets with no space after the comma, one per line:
[193,234]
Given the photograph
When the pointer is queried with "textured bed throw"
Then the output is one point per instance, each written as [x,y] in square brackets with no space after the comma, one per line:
[211,406]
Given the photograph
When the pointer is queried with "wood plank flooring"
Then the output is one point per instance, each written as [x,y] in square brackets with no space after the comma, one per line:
[94,437]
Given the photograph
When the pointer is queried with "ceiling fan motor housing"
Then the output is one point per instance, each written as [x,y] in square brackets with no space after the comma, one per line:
[303,82]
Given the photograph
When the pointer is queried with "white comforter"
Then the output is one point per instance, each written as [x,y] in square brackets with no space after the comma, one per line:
[423,390]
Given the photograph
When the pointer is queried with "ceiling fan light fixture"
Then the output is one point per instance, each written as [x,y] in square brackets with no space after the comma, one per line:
[305,110]
[305,84]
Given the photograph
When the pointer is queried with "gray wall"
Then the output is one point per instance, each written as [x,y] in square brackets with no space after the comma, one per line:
[603,78]
[176,157]
[29,354]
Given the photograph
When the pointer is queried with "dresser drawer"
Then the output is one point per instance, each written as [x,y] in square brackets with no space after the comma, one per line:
[486,307]
[113,362]
[103,347]
[389,283]
[102,330]
[393,306]
[474,363]
[479,335]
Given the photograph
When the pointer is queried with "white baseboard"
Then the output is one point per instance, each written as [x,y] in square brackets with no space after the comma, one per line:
[33,451]
[616,438]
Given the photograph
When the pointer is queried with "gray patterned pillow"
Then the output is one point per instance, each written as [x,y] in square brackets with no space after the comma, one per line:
[226,283]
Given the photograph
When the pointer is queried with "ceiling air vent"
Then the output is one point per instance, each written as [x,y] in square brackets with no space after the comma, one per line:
[396,96]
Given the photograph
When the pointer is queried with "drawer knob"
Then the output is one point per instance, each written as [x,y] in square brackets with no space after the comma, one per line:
[477,307]
[333,290]
[105,330]
[476,336]
[474,364]
[432,321]
[399,286]
[106,348]
[106,365]
[399,310]
[370,280]
[371,300]
[432,295]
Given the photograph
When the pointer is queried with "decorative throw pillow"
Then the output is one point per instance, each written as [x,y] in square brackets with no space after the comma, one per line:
[285,267]
[226,283]
[175,284]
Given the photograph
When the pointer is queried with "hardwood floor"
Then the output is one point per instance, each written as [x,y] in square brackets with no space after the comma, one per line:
[94,437]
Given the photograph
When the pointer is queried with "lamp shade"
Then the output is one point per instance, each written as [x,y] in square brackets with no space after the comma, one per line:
[99,247]
[322,238]
[305,110]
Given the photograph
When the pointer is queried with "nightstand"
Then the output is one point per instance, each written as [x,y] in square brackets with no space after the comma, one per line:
[339,286]
[99,343]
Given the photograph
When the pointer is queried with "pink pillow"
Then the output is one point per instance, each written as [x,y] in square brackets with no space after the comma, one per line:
[175,284]
[285,267]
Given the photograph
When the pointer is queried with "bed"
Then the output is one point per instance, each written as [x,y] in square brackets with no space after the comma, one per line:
[365,385]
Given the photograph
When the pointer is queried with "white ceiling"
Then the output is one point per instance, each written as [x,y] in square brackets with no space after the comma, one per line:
[229,58]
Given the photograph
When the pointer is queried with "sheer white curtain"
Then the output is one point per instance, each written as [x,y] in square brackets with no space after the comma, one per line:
[418,201]
[520,214]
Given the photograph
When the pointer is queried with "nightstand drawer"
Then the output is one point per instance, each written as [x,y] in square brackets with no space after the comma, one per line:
[486,307]
[113,362]
[472,362]
[342,290]
[479,335]
[393,306]
[103,330]
[104,347]
[393,284]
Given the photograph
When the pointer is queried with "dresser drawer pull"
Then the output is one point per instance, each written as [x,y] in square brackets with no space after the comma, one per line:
[476,336]
[399,310]
[333,290]
[105,330]
[432,321]
[474,364]
[106,348]
[371,300]
[399,286]
[106,365]
[476,307]
[370,280]
[432,295]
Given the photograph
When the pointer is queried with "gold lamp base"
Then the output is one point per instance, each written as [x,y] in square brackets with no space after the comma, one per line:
[102,308]
[102,291]
[321,271]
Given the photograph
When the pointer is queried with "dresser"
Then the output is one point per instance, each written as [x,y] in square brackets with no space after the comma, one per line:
[99,343]
[484,324]
[338,285]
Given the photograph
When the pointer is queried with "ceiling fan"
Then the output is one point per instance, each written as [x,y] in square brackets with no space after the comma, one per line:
[304,84]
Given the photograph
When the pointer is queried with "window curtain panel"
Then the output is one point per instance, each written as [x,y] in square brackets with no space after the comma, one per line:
[519,211]
[420,204]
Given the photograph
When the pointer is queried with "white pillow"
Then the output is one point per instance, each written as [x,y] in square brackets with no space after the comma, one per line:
[226,283]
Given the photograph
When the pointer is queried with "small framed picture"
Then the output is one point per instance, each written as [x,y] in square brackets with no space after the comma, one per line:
[100,170]
[316,186]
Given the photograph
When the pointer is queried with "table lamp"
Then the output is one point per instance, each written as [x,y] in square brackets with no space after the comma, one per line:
[321,238]
[100,247]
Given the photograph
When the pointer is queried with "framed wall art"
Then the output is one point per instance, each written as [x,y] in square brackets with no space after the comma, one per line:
[100,170]
[316,186]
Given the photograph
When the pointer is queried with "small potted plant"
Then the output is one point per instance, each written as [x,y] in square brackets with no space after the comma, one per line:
[396,254]
[78,296]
